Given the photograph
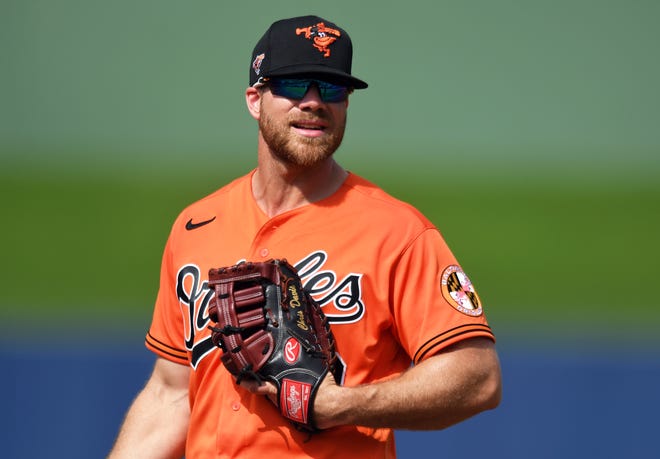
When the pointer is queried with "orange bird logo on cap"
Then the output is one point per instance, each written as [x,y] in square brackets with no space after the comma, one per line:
[321,36]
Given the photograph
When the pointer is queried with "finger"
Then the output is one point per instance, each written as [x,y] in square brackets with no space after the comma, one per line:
[263,388]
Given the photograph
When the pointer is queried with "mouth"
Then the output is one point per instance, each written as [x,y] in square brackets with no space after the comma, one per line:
[312,126]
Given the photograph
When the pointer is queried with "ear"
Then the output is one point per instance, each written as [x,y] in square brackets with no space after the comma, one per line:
[253,101]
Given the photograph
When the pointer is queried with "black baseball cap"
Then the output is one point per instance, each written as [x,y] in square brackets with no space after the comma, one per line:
[304,47]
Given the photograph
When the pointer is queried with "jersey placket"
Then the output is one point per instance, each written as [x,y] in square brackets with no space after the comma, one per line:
[264,244]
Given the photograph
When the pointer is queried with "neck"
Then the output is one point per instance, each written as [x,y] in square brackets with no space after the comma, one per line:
[278,187]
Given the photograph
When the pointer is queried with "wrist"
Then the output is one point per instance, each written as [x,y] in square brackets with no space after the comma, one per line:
[332,406]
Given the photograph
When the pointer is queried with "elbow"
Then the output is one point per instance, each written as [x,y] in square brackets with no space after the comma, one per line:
[493,395]
[491,389]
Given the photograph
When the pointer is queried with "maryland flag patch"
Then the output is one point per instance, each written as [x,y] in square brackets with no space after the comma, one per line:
[459,291]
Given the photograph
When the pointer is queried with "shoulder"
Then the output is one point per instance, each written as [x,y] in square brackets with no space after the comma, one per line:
[229,191]
[377,203]
[205,208]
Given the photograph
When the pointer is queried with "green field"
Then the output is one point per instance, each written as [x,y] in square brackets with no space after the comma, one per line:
[84,245]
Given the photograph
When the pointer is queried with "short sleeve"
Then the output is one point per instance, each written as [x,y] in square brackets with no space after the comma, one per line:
[434,303]
[165,336]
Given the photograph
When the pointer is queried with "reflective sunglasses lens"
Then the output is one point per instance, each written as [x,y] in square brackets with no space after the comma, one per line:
[296,89]
[291,89]
[332,92]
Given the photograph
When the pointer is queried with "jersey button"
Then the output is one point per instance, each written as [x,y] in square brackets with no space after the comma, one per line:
[235,406]
[264,252]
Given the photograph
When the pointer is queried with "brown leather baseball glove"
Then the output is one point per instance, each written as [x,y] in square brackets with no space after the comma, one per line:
[271,329]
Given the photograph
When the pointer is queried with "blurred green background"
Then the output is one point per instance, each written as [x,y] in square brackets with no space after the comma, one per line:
[528,131]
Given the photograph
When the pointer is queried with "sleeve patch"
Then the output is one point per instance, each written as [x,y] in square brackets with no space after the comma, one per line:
[459,291]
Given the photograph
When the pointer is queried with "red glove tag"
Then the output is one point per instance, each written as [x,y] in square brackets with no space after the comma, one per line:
[294,400]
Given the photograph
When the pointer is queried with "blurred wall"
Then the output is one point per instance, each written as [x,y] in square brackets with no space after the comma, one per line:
[506,79]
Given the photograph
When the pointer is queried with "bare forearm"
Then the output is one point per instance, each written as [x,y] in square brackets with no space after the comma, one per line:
[436,394]
[156,425]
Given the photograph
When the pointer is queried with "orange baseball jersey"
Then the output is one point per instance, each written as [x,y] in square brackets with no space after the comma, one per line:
[390,286]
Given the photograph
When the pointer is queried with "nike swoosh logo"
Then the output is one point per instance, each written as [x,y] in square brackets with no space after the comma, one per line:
[191,226]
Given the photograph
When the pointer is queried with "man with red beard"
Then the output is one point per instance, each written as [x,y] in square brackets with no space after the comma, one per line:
[410,328]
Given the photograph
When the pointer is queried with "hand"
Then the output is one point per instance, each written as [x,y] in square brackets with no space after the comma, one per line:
[324,403]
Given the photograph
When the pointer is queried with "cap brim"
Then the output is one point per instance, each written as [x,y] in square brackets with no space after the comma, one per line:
[319,71]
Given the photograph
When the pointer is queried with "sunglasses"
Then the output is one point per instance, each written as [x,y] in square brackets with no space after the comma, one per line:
[294,88]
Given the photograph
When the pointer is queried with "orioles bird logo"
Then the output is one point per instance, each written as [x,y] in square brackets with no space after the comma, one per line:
[321,36]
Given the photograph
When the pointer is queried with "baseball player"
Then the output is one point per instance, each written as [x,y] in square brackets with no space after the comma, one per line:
[410,329]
